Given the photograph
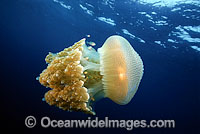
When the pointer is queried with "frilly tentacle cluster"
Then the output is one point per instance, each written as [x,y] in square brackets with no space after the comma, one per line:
[64,75]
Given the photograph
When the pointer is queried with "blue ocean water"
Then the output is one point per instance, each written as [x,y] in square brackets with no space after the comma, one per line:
[165,33]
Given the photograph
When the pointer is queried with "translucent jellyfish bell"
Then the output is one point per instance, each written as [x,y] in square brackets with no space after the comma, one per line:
[79,75]
[121,68]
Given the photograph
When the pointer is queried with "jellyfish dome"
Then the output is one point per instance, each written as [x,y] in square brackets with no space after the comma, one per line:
[80,75]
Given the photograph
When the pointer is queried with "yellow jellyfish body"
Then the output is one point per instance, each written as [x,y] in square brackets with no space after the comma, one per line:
[79,75]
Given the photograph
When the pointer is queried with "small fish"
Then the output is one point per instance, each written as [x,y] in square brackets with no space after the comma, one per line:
[91,43]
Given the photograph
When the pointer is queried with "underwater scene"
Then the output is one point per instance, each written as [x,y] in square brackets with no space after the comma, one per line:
[100,66]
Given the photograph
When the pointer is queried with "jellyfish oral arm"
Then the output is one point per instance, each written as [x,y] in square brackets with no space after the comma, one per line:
[74,77]
[91,65]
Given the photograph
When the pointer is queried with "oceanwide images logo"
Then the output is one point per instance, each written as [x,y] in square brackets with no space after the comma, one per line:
[46,122]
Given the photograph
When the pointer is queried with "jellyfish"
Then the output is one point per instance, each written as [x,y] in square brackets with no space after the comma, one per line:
[79,75]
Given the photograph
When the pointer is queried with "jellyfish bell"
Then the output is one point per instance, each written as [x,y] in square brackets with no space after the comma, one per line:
[121,68]
[79,75]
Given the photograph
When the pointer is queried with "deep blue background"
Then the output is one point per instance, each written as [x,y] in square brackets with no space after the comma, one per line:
[30,29]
